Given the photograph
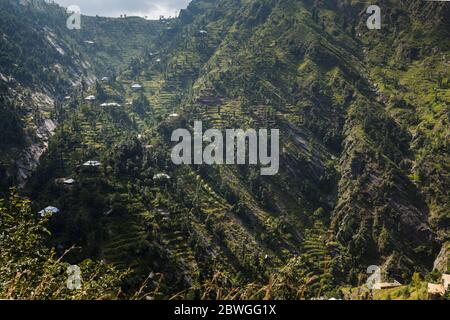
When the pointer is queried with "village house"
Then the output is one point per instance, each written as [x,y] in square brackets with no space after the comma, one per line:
[92,164]
[136,87]
[48,212]
[90,98]
[161,176]
[69,182]
[110,104]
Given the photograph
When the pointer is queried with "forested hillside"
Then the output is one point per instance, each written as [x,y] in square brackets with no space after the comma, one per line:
[41,62]
[364,143]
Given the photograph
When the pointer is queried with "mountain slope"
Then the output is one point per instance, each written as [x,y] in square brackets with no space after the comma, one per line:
[363,180]
[42,60]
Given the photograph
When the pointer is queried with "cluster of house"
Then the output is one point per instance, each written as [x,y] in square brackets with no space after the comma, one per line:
[50,210]
[439,290]
[92,98]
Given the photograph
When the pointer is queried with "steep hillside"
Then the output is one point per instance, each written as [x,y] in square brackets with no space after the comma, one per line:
[42,61]
[364,149]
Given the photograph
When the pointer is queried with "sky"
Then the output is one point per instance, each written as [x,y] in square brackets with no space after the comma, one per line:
[153,9]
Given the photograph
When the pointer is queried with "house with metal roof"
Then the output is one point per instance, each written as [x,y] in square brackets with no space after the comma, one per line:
[48,212]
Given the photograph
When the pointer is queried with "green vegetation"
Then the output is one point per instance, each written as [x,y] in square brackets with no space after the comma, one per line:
[363,117]
[29,270]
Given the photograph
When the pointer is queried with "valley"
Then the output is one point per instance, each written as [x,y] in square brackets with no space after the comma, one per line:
[363,118]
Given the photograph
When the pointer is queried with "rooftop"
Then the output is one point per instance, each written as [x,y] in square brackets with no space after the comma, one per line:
[69,181]
[92,164]
[161,176]
[110,104]
[49,211]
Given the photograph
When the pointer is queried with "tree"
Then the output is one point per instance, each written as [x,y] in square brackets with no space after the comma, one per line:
[30,271]
[141,105]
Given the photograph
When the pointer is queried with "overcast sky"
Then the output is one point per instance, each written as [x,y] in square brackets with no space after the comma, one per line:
[114,8]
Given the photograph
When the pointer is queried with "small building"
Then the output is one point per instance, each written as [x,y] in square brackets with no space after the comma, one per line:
[161,176]
[174,115]
[105,79]
[89,42]
[110,104]
[136,87]
[67,98]
[92,164]
[48,212]
[69,182]
[163,213]
[90,98]
[203,32]
[446,281]
[158,60]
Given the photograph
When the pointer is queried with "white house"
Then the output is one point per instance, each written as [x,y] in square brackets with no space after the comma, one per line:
[90,98]
[69,182]
[110,104]
[203,32]
[136,86]
[161,176]
[91,163]
[48,212]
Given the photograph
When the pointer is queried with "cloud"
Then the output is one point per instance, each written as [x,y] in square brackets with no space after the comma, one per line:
[114,8]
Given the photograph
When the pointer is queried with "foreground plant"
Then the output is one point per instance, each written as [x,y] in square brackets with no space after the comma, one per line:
[29,270]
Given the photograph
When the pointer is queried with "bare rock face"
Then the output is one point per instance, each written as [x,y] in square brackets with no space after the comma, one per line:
[441,263]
